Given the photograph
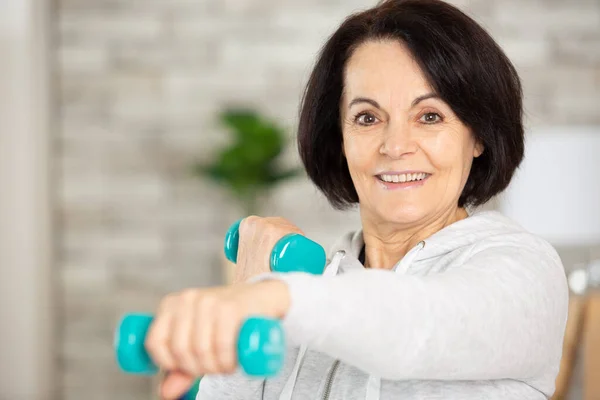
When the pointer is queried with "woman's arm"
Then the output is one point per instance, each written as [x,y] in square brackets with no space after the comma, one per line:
[502,315]
[235,386]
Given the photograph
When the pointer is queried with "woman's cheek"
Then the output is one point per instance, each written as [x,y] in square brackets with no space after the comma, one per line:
[361,150]
[443,150]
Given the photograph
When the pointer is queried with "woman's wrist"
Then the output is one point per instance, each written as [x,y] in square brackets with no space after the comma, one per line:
[276,297]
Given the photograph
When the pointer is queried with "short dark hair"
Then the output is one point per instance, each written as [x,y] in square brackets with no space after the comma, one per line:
[463,65]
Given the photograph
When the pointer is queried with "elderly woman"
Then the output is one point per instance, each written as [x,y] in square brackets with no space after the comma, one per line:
[415,114]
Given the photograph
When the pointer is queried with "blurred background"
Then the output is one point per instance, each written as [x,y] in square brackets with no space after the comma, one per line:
[134,132]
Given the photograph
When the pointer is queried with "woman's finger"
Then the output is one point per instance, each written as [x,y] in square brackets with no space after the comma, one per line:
[225,337]
[249,249]
[182,331]
[175,384]
[158,339]
[202,339]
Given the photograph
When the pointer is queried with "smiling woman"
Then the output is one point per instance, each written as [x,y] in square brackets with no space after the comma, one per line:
[398,134]
[413,113]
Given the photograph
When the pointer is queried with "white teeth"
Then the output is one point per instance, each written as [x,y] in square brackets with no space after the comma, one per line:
[403,177]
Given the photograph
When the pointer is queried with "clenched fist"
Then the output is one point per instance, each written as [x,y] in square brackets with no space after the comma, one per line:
[258,236]
[195,332]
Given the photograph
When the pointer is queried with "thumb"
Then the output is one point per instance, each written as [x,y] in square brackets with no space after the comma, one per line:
[175,385]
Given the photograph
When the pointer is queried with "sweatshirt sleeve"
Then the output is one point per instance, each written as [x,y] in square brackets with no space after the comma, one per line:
[500,315]
[235,386]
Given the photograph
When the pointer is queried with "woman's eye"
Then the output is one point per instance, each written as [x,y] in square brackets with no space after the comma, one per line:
[431,118]
[366,119]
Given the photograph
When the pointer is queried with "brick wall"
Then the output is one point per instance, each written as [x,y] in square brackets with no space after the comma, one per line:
[138,84]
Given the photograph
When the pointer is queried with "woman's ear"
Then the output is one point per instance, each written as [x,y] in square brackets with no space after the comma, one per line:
[478,150]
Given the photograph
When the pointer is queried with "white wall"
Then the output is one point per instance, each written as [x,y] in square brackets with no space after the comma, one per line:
[26,311]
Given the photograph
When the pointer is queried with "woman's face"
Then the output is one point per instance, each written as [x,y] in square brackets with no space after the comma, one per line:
[408,154]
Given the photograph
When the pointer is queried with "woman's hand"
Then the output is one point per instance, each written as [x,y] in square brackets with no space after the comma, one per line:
[195,332]
[258,236]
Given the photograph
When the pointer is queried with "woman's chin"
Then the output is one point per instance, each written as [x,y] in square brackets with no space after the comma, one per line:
[402,215]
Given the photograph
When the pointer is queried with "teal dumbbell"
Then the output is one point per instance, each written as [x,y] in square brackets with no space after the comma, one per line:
[292,253]
[260,346]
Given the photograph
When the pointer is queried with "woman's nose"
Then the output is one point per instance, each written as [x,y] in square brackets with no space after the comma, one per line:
[398,141]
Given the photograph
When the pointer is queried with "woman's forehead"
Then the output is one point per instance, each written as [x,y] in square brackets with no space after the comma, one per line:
[383,69]
[391,81]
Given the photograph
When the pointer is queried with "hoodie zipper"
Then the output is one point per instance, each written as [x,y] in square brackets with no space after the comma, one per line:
[330,378]
[334,368]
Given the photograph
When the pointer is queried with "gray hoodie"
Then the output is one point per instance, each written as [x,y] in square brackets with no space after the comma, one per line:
[477,311]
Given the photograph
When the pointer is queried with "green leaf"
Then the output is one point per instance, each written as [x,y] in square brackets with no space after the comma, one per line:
[253,131]
[248,165]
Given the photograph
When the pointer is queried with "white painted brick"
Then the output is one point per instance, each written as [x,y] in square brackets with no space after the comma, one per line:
[576,109]
[124,242]
[562,80]
[86,319]
[140,243]
[88,5]
[79,158]
[322,24]
[537,17]
[93,111]
[110,26]
[83,59]
[87,188]
[200,7]
[155,281]
[578,50]
[113,190]
[139,57]
[132,299]
[251,54]
[141,275]
[181,52]
[86,280]
[530,51]
[186,27]
[535,111]
[191,218]
[135,85]
[98,349]
[144,110]
[468,5]
[245,7]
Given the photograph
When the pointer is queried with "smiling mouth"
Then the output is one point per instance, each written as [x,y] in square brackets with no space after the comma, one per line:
[403,178]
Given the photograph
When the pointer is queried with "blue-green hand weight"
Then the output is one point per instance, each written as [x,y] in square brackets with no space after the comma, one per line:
[292,253]
[261,346]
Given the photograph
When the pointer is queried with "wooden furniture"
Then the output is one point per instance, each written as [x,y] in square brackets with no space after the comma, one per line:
[582,333]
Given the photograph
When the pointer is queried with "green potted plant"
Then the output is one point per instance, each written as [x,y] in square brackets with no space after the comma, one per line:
[248,167]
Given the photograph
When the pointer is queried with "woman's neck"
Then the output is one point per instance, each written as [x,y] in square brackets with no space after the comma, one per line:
[387,243]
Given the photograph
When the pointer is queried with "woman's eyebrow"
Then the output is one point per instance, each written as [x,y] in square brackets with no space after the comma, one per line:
[424,97]
[375,104]
[364,100]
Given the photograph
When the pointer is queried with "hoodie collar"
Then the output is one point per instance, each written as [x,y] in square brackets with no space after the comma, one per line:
[459,234]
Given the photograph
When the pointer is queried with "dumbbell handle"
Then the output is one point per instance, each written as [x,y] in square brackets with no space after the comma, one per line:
[260,346]
[292,253]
